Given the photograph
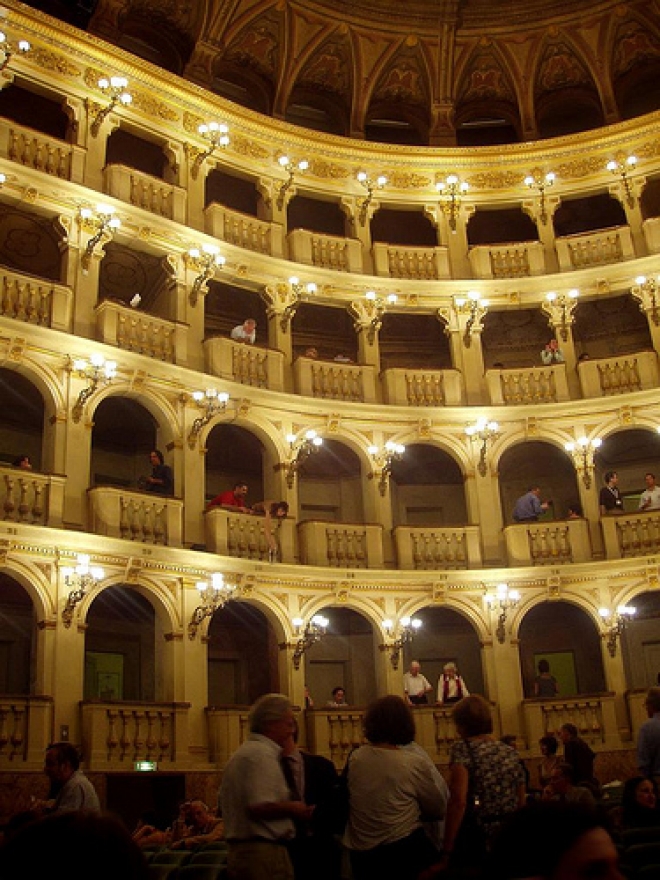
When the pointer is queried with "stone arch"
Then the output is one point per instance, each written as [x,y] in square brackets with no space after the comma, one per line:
[485,88]
[159,596]
[36,584]
[628,450]
[159,407]
[428,476]
[634,43]
[232,448]
[18,636]
[332,479]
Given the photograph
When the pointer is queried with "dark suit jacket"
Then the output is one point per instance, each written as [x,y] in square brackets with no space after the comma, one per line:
[317,855]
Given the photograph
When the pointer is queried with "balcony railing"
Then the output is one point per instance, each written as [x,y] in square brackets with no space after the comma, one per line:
[422,387]
[35,300]
[619,375]
[230,533]
[244,231]
[135,516]
[631,534]
[156,338]
[146,192]
[551,543]
[340,545]
[434,547]
[595,248]
[651,228]
[334,381]
[325,251]
[247,364]
[26,725]
[533,385]
[227,728]
[416,263]
[29,497]
[507,261]
[37,150]
[594,715]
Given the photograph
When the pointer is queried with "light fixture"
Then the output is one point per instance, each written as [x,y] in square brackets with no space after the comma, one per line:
[211,402]
[617,621]
[451,189]
[561,306]
[78,580]
[502,600]
[205,260]
[115,87]
[103,222]
[383,460]
[299,292]
[376,308]
[646,291]
[307,635]
[621,166]
[3,179]
[213,595]
[371,185]
[300,448]
[97,372]
[539,181]
[290,167]
[475,308]
[484,432]
[8,48]
[583,456]
[217,135]
[403,635]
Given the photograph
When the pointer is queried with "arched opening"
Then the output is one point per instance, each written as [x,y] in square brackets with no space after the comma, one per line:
[226,306]
[588,214]
[123,435]
[242,655]
[640,642]
[126,148]
[330,485]
[631,453]
[34,110]
[485,127]
[21,419]
[17,639]
[610,326]
[427,488]
[567,112]
[157,40]
[245,87]
[501,226]
[125,271]
[537,463]
[638,90]
[446,636]
[328,329]
[391,123]
[236,193]
[430,352]
[514,338]
[121,658]
[568,638]
[315,215]
[317,111]
[412,228]
[29,244]
[234,455]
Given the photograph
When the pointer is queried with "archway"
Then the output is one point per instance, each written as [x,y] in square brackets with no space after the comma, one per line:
[537,463]
[446,635]
[17,639]
[631,453]
[234,455]
[427,488]
[22,419]
[330,484]
[640,642]
[124,434]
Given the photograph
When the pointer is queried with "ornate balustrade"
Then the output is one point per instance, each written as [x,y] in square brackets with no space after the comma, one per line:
[325,251]
[619,375]
[247,364]
[146,192]
[30,497]
[26,725]
[340,545]
[631,534]
[434,547]
[244,231]
[35,300]
[594,248]
[334,733]
[117,734]
[651,228]
[136,331]
[335,381]
[548,543]
[135,516]
[516,260]
[41,152]
[532,385]
[230,533]
[405,387]
[227,728]
[594,715]
[416,263]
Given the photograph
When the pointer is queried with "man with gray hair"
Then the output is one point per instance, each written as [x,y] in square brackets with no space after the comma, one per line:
[255,798]
[648,739]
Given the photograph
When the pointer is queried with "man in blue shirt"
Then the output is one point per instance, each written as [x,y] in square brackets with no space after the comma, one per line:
[529,506]
[648,739]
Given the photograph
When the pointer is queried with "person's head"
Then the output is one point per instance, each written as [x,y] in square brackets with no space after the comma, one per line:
[543,666]
[649,479]
[639,793]
[279,509]
[199,814]
[574,510]
[611,478]
[450,670]
[549,745]
[156,457]
[652,701]
[585,356]
[240,490]
[389,720]
[249,325]
[22,462]
[272,716]
[568,732]
[561,778]
[472,716]
[415,667]
[61,762]
[510,739]
[535,490]
[311,352]
[339,694]
[553,345]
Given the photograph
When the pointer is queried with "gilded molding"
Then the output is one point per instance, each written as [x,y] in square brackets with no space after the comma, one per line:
[49,60]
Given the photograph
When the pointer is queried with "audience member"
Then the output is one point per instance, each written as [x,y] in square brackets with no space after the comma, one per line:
[231,499]
[147,832]
[610,500]
[552,354]
[529,506]
[648,739]
[545,684]
[574,510]
[204,827]
[390,790]
[271,510]
[650,498]
[338,700]
[562,784]
[161,480]
[74,790]
[579,755]
[311,352]
[451,687]
[416,686]
[639,803]
[549,745]
[584,356]
[245,332]
[22,462]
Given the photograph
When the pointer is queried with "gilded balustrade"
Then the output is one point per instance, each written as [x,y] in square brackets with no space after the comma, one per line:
[135,516]
[33,149]
[31,497]
[594,248]
[594,716]
[631,534]
[144,191]
[35,300]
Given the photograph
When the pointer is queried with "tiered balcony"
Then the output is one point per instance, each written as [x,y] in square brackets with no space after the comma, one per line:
[551,543]
[135,516]
[247,364]
[533,385]
[325,251]
[508,261]
[435,548]
[631,534]
[335,381]
[35,300]
[242,535]
[595,248]
[405,387]
[49,155]
[130,330]
[244,231]
[26,725]
[146,192]
[340,545]
[619,375]
[415,263]
[29,497]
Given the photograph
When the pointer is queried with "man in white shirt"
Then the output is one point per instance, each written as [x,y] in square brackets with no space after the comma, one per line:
[245,332]
[416,686]
[650,499]
[451,687]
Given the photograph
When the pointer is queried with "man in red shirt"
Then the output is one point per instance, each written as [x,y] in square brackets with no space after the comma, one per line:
[231,498]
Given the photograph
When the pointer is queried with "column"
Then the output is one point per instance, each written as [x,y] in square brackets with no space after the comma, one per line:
[453,235]
[97,144]
[628,191]
[484,506]
[193,179]
[368,319]
[358,226]
[282,302]
[542,215]
[464,326]
[648,297]
[561,312]
[193,673]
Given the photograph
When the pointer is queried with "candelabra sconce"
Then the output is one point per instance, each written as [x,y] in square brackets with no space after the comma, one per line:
[483,432]
[475,308]
[78,580]
[300,450]
[213,595]
[103,222]
[216,134]
[97,372]
[211,402]
[290,167]
[502,600]
[408,626]
[205,260]
[9,49]
[617,620]
[621,167]
[451,189]
[583,456]
[383,460]
[371,186]
[646,291]
[299,293]
[541,182]
[114,87]
[378,307]
[561,307]
[307,635]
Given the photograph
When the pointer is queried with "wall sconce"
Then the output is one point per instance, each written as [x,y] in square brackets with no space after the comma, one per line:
[204,260]
[561,308]
[299,292]
[383,460]
[290,168]
[377,306]
[408,626]
[451,188]
[371,186]
[217,135]
[645,290]
[618,621]
[539,181]
[486,432]
[300,449]
[213,595]
[8,49]
[211,402]
[312,633]
[3,179]
[116,89]
[78,580]
[503,600]
[621,166]
[475,307]
[97,372]
[583,456]
[103,222]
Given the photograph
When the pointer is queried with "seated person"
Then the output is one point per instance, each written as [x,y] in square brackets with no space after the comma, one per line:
[147,833]
[564,790]
[231,499]
[204,827]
